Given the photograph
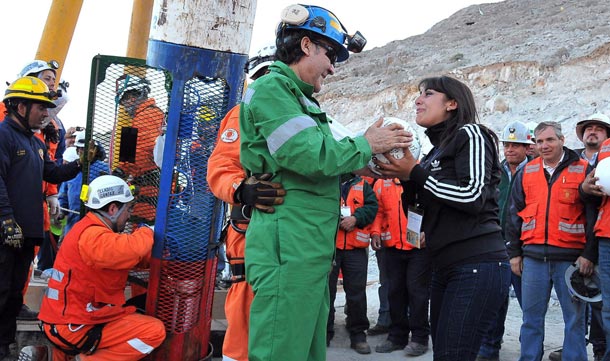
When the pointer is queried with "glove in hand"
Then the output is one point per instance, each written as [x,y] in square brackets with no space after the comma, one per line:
[11,234]
[53,204]
[258,192]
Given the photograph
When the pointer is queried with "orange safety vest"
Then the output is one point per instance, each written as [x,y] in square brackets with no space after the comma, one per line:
[357,238]
[556,216]
[602,226]
[88,290]
[391,222]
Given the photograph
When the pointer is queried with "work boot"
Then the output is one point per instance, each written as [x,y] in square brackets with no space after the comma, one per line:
[378,330]
[35,353]
[361,347]
[388,346]
[25,314]
[555,355]
[415,349]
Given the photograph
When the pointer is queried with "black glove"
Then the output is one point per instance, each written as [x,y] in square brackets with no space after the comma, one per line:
[258,192]
[11,234]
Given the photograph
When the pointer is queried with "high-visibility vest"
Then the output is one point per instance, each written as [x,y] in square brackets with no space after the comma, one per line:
[357,238]
[554,214]
[391,222]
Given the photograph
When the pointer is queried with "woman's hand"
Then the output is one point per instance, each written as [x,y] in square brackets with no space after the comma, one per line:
[397,168]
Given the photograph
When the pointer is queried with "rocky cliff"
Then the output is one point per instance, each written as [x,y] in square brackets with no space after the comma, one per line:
[527,60]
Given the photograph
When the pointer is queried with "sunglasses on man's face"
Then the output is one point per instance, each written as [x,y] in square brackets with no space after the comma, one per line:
[331,53]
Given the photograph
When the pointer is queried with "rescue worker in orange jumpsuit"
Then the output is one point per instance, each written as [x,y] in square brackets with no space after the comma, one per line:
[225,176]
[358,210]
[408,273]
[146,118]
[83,312]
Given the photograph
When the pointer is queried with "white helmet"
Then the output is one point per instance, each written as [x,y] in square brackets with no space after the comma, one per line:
[79,140]
[36,66]
[128,83]
[531,126]
[106,189]
[265,56]
[597,118]
[70,155]
[587,288]
[516,132]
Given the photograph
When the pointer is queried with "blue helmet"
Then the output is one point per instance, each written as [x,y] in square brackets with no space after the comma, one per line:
[321,21]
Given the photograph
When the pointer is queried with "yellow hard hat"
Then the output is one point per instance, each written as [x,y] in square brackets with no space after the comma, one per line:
[29,87]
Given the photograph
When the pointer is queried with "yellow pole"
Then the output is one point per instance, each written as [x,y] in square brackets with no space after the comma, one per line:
[58,31]
[141,15]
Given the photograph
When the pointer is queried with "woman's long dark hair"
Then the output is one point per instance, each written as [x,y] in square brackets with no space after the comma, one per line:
[465,113]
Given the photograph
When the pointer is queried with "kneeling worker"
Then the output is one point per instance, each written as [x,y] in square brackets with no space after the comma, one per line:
[83,311]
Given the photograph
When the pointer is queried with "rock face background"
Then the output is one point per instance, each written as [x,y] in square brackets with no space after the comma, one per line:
[527,60]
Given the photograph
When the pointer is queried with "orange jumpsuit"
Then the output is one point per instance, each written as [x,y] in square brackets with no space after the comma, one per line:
[148,119]
[225,174]
[86,289]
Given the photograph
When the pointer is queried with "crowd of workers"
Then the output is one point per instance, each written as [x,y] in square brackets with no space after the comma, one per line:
[451,231]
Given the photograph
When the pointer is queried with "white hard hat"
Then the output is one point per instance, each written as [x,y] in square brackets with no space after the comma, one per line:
[397,153]
[70,155]
[36,66]
[602,171]
[587,288]
[79,140]
[531,126]
[265,56]
[131,83]
[106,189]
[516,132]
[597,118]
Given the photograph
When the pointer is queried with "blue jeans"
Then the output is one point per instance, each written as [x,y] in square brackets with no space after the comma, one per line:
[464,301]
[604,275]
[492,340]
[384,307]
[536,281]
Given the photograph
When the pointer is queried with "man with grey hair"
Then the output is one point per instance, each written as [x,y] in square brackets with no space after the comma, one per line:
[545,240]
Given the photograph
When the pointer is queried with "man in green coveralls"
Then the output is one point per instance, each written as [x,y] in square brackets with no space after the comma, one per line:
[285,133]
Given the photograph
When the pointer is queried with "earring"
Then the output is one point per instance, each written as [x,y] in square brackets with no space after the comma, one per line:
[448,109]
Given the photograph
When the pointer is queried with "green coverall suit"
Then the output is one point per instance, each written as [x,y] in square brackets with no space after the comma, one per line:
[289,253]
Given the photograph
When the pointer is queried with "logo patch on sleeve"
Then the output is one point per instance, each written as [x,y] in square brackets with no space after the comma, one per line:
[229,135]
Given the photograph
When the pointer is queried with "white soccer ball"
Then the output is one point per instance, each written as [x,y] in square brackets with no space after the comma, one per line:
[397,153]
[602,171]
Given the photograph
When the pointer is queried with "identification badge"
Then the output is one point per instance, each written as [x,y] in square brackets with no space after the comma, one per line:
[345,211]
[414,217]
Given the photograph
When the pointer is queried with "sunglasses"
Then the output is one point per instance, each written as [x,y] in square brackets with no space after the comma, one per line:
[331,53]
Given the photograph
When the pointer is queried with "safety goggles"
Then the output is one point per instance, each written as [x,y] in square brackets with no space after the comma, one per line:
[331,53]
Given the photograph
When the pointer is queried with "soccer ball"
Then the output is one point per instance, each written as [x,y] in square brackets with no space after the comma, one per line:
[397,153]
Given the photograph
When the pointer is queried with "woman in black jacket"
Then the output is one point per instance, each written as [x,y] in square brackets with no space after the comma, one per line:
[455,188]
